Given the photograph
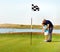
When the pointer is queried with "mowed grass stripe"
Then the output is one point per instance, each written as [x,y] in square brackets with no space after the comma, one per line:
[46,46]
[13,44]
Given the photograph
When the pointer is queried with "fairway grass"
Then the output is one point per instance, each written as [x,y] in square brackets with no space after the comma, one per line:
[22,43]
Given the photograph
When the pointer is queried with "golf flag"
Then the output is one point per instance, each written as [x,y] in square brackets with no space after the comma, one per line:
[35,7]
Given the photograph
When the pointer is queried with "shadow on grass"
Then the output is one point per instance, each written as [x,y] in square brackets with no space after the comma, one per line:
[55,41]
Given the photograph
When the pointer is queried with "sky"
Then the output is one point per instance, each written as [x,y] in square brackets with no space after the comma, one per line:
[20,12]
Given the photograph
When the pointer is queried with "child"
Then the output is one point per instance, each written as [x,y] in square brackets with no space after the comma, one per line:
[46,31]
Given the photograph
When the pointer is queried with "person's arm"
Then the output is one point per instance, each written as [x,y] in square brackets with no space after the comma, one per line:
[42,29]
[47,26]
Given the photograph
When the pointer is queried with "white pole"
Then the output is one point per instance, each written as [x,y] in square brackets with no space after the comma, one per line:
[31,33]
[31,23]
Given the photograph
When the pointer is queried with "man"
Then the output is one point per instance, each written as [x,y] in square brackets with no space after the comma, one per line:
[50,27]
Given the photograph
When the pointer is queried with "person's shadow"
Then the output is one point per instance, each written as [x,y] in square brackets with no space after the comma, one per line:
[56,41]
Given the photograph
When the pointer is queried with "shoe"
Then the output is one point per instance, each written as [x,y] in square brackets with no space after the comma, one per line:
[48,40]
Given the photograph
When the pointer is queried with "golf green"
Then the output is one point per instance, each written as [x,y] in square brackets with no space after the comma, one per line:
[22,43]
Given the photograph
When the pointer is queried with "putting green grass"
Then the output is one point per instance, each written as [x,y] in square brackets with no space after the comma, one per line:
[22,43]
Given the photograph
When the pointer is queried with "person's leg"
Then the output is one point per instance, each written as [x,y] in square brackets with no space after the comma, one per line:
[50,34]
[50,37]
[46,37]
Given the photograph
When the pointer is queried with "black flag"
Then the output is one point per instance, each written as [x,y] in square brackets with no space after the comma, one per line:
[35,7]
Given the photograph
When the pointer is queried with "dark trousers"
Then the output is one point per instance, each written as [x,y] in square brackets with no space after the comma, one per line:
[50,33]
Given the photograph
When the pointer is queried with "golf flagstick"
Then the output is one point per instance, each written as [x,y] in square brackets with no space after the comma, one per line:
[31,33]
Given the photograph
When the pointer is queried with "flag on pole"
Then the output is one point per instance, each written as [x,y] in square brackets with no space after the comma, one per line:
[35,7]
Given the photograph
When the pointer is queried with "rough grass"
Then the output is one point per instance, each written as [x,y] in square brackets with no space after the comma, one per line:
[25,26]
[21,43]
